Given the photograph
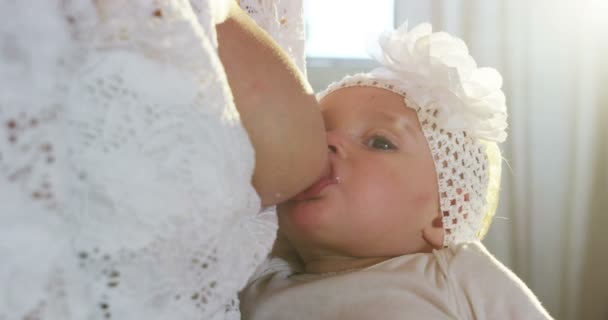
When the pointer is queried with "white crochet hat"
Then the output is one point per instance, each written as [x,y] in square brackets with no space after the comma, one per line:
[458,106]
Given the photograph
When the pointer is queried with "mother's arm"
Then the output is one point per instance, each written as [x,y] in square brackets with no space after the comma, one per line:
[277,108]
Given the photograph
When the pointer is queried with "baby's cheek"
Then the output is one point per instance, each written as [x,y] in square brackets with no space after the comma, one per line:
[420,190]
[425,198]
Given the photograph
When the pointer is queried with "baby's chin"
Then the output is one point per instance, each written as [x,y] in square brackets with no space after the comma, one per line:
[306,217]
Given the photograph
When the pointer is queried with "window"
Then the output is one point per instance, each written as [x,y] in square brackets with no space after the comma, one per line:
[343,29]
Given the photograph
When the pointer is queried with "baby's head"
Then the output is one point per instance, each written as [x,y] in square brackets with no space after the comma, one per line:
[413,154]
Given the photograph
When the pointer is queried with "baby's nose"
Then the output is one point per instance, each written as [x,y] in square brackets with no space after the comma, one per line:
[336,143]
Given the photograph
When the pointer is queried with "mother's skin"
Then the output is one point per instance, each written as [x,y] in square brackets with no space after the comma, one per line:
[277,107]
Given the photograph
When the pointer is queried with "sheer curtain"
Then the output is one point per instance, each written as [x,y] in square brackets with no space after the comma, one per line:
[554,204]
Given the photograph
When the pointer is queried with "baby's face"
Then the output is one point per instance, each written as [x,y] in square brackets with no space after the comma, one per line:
[386,191]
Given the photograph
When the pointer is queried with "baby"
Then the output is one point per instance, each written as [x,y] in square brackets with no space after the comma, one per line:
[393,231]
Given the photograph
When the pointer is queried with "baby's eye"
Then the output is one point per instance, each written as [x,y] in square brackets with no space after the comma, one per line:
[380,143]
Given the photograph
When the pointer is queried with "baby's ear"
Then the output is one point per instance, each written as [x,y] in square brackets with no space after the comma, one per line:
[433,233]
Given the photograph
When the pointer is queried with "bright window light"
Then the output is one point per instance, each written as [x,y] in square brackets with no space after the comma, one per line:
[345,28]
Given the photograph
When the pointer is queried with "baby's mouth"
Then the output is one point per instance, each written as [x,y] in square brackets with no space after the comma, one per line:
[317,187]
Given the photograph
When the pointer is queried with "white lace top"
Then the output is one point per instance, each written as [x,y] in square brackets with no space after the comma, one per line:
[124,168]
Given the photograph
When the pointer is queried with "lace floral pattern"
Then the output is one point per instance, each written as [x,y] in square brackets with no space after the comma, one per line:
[124,168]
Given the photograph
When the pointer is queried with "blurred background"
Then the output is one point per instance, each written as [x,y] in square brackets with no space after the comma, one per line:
[551,227]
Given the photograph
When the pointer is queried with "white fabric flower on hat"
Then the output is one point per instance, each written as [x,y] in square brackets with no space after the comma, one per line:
[436,71]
